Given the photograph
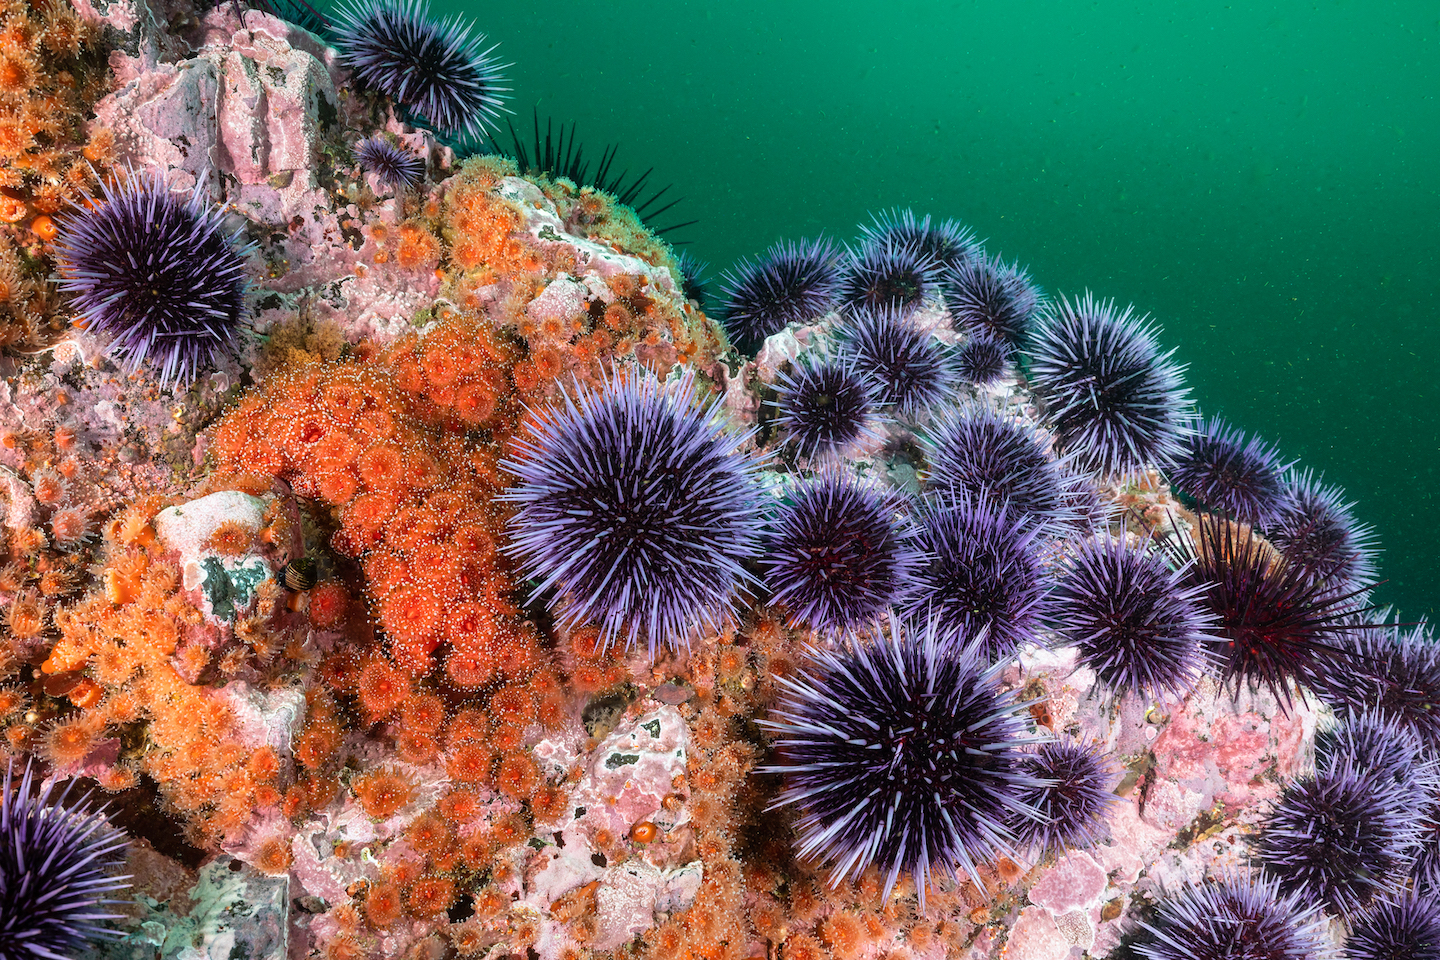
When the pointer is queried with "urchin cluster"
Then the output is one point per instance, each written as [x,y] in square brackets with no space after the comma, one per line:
[888,273]
[392,165]
[948,242]
[901,754]
[1317,531]
[790,283]
[158,273]
[57,870]
[1072,791]
[437,69]
[982,360]
[1230,474]
[1405,928]
[838,554]
[637,508]
[1134,619]
[1235,918]
[911,369]
[826,408]
[1117,402]
[983,580]
[988,297]
[1341,838]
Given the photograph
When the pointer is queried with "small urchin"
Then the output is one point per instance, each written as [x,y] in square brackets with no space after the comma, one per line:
[1133,618]
[826,407]
[694,282]
[948,242]
[903,754]
[912,370]
[1117,402]
[986,296]
[839,552]
[1406,928]
[982,360]
[1230,474]
[1235,918]
[1341,838]
[392,165]
[1317,531]
[1073,792]
[792,282]
[888,273]
[158,273]
[636,508]
[437,69]
[57,869]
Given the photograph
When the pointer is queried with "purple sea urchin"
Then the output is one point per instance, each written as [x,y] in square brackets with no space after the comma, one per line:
[1229,474]
[693,280]
[393,165]
[1394,671]
[981,360]
[826,408]
[993,299]
[912,370]
[902,754]
[1317,531]
[57,863]
[889,274]
[1239,918]
[1404,929]
[948,242]
[1135,620]
[1072,791]
[1377,745]
[982,579]
[791,283]
[1117,402]
[637,508]
[839,553]
[435,68]
[159,274]
[1340,838]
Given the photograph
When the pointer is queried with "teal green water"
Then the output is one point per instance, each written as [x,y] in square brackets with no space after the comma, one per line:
[1261,178]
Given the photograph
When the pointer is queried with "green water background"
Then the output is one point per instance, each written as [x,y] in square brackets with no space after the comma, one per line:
[1262,178]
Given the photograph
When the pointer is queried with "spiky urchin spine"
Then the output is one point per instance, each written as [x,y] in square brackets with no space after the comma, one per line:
[1395,671]
[1235,918]
[392,164]
[982,360]
[839,552]
[57,870]
[1073,795]
[991,298]
[826,407]
[1317,531]
[1380,746]
[1230,473]
[1134,619]
[888,273]
[792,282]
[637,508]
[903,754]
[1341,838]
[1118,403]
[912,370]
[437,69]
[948,242]
[1407,928]
[158,273]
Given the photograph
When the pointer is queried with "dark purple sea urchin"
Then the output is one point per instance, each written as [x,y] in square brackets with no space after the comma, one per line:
[1394,670]
[435,68]
[886,273]
[1117,402]
[1317,531]
[1229,474]
[990,298]
[158,273]
[948,242]
[636,508]
[838,553]
[826,408]
[982,360]
[1407,928]
[791,283]
[57,863]
[393,165]
[1073,792]
[901,753]
[1134,619]
[912,370]
[1237,918]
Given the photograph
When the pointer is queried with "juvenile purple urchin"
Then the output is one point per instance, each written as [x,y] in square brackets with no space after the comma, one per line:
[889,274]
[1341,839]
[948,242]
[57,870]
[1117,402]
[1135,620]
[1236,918]
[790,283]
[827,408]
[1229,474]
[393,165]
[976,451]
[636,508]
[839,553]
[1394,671]
[1073,791]
[437,69]
[693,280]
[1274,626]
[157,273]
[983,580]
[1406,928]
[912,370]
[1317,531]
[902,754]
[981,360]
[986,296]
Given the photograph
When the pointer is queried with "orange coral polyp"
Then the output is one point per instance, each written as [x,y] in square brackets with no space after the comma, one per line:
[410,616]
[382,467]
[329,602]
[382,793]
[382,688]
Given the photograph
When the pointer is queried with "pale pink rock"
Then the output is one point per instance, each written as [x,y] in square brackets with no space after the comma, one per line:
[1035,936]
[1133,843]
[1074,883]
[1171,806]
